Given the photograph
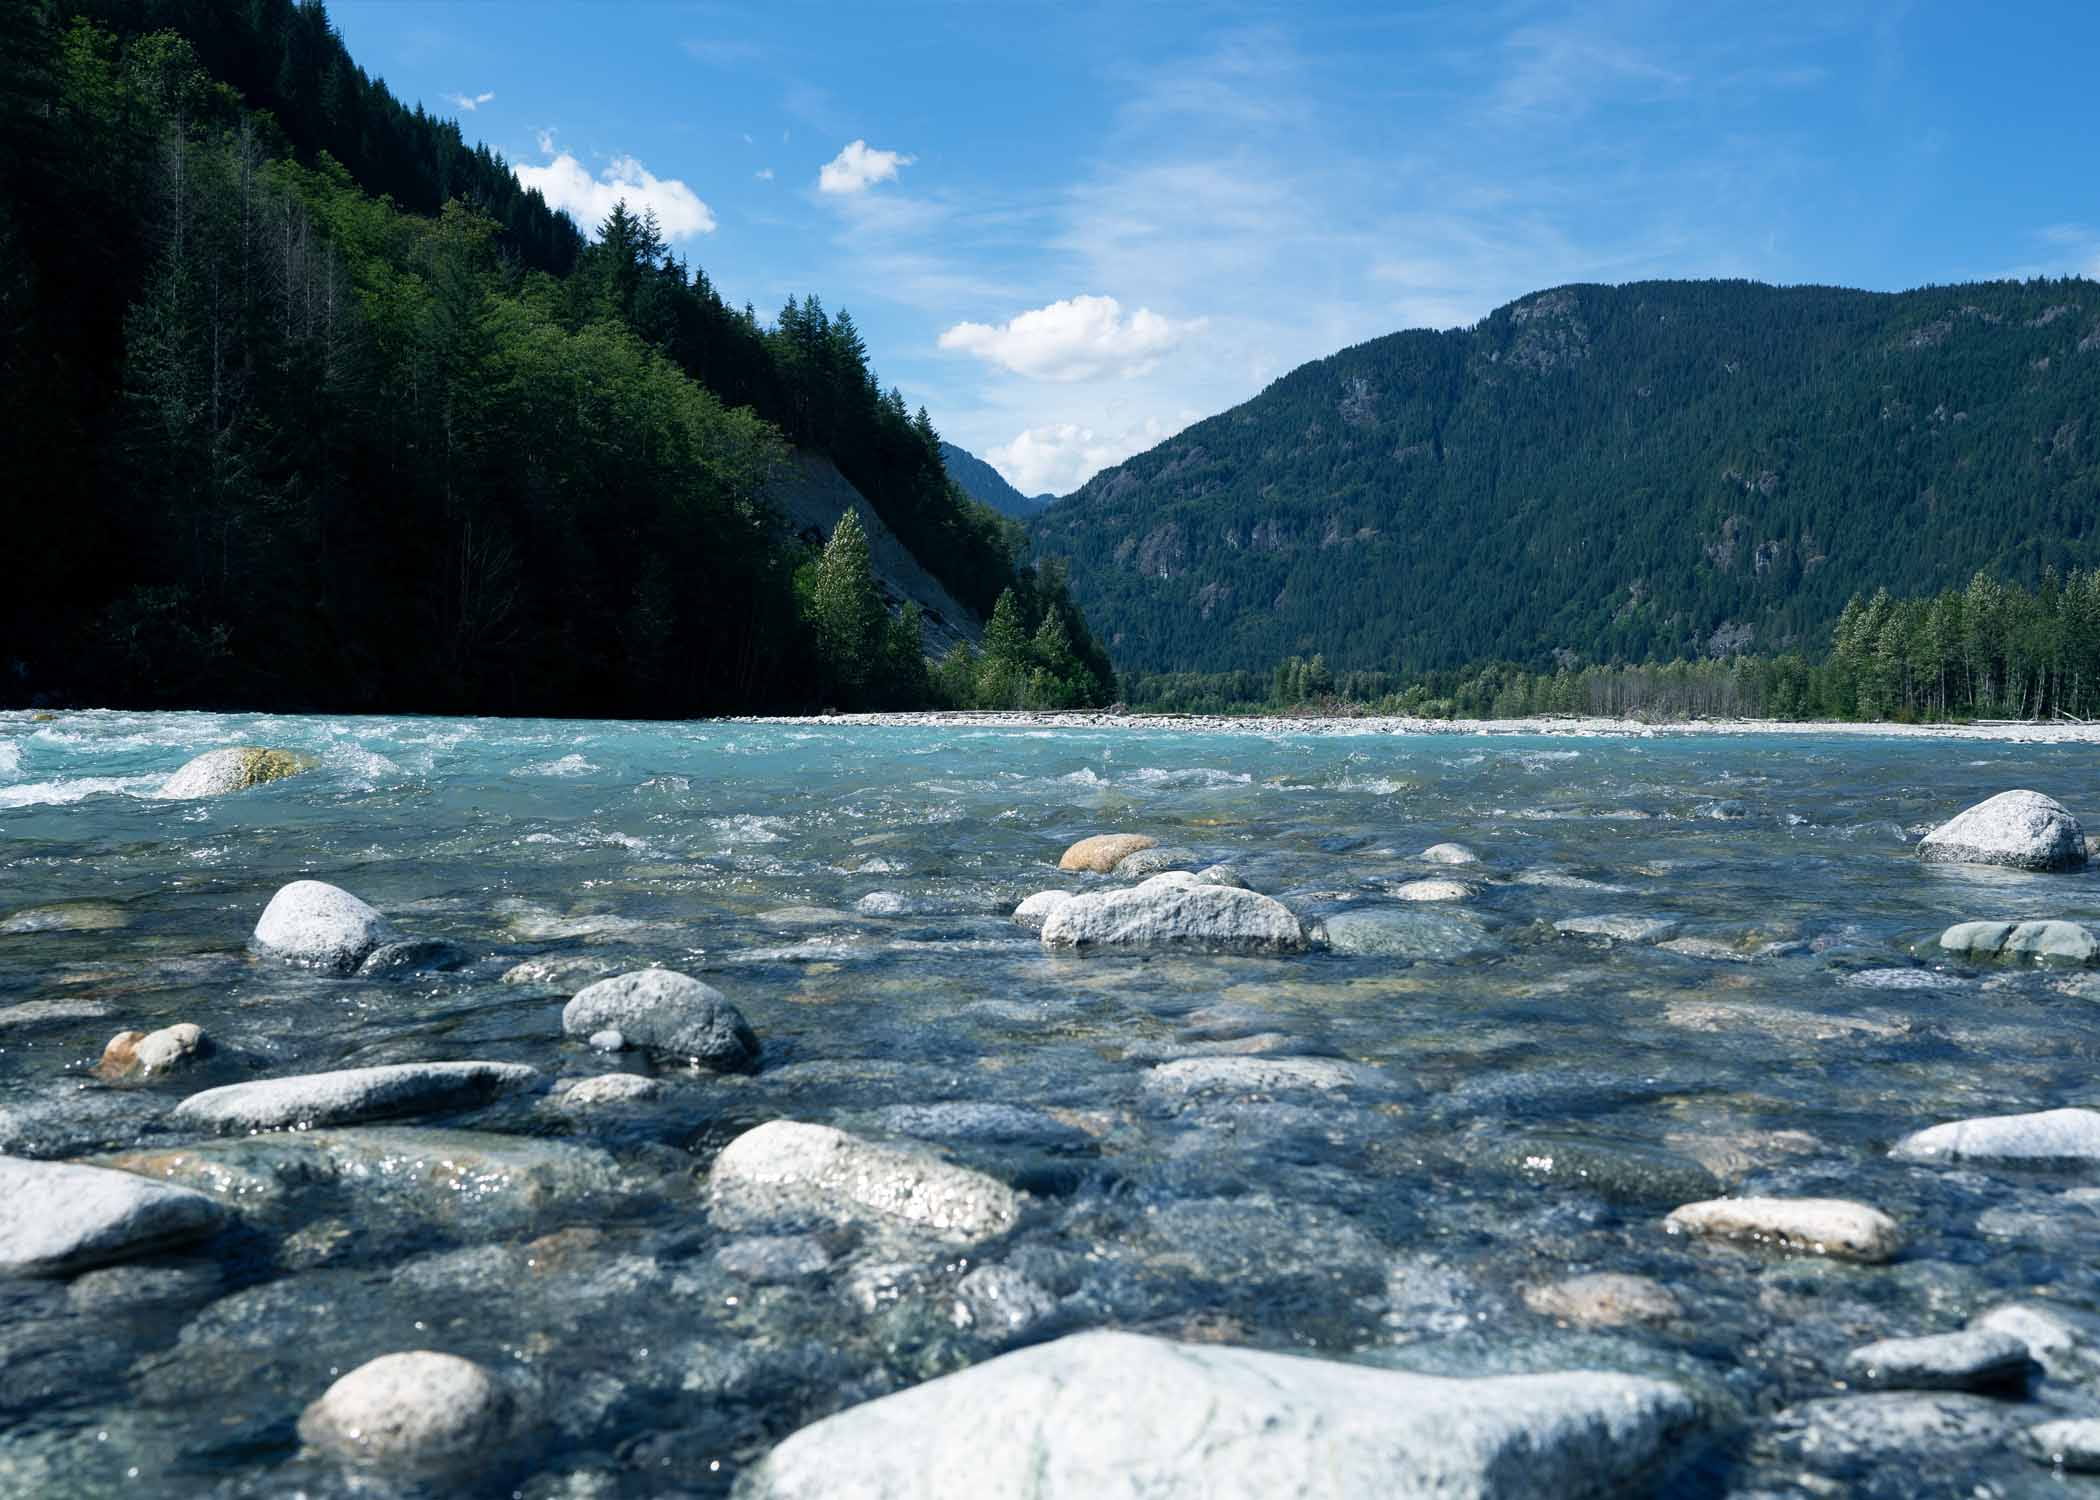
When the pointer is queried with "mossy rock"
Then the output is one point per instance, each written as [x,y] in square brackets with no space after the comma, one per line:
[234,769]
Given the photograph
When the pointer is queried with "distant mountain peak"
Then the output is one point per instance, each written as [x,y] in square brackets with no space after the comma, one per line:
[987,486]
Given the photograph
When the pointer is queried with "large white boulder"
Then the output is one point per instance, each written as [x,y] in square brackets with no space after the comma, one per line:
[233,769]
[321,925]
[2020,829]
[57,1217]
[1097,1414]
[1167,911]
[2050,1137]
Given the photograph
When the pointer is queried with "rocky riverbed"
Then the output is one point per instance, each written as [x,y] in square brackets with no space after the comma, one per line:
[982,1108]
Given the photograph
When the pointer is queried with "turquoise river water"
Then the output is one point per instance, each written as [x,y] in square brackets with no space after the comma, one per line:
[1548,1097]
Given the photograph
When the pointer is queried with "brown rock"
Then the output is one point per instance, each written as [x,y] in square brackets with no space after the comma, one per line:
[1606,1299]
[142,1054]
[1104,851]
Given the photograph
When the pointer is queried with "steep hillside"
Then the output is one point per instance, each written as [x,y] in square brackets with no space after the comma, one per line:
[986,485]
[1656,470]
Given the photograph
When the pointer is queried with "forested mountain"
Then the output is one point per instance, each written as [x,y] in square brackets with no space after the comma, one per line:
[1646,472]
[275,439]
[987,486]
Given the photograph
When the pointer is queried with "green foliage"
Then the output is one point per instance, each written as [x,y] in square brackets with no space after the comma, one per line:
[1655,471]
[1037,654]
[278,440]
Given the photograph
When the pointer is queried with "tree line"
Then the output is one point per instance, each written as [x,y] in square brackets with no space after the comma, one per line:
[1987,650]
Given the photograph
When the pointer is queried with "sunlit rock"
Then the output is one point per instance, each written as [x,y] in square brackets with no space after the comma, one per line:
[57,1217]
[665,1012]
[1104,851]
[2022,830]
[787,1170]
[233,769]
[1836,1227]
[320,925]
[414,1408]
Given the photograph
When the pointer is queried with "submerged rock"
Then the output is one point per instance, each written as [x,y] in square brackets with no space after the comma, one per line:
[1449,854]
[1605,1299]
[150,1054]
[57,1217]
[1433,890]
[666,1012]
[1035,910]
[1403,932]
[1617,927]
[1120,1413]
[2065,1341]
[1104,851]
[2060,940]
[1221,875]
[1166,912]
[315,923]
[2021,830]
[1976,1359]
[233,769]
[1855,1436]
[411,956]
[416,1408]
[1189,1076]
[2051,1137]
[352,1095]
[787,1170]
[66,916]
[2072,1444]
[1835,1227]
[607,1088]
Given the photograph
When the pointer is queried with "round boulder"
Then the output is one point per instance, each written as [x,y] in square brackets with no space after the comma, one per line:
[666,1011]
[149,1054]
[321,925]
[415,1408]
[2021,830]
[233,769]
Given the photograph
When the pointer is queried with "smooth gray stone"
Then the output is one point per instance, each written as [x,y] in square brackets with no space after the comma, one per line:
[323,926]
[352,1095]
[1449,854]
[2021,830]
[2053,1137]
[57,1217]
[1619,927]
[1975,1359]
[2059,940]
[2072,1445]
[2064,1340]
[1849,1436]
[1189,1076]
[415,1408]
[665,1011]
[1835,1227]
[788,1170]
[1155,861]
[1170,912]
[1122,1414]
[1406,932]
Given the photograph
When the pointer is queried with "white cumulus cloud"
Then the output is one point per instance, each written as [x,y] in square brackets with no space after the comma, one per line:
[468,103]
[859,167]
[1079,338]
[567,184]
[1061,457]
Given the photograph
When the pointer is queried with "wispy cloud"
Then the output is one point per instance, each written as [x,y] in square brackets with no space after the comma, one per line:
[764,174]
[859,167]
[468,103]
[567,184]
[723,52]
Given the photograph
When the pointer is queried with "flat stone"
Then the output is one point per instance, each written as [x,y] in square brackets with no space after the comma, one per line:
[2064,1340]
[608,1088]
[1618,927]
[1449,854]
[1617,1169]
[323,926]
[57,1217]
[787,1169]
[233,769]
[1433,890]
[1257,1075]
[1122,1414]
[51,1012]
[556,970]
[1605,1299]
[2054,1137]
[1975,1359]
[2066,941]
[1104,851]
[1855,1436]
[414,1408]
[1836,1227]
[66,916]
[2021,830]
[2072,1444]
[1035,910]
[352,1095]
[666,1012]
[152,1054]
[1403,932]
[1166,912]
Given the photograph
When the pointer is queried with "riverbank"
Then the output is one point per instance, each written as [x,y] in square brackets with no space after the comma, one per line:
[1587,728]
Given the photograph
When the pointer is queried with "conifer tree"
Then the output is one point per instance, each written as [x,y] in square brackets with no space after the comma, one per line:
[846,612]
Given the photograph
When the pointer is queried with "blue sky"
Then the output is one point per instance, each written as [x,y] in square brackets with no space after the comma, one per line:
[1071,230]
